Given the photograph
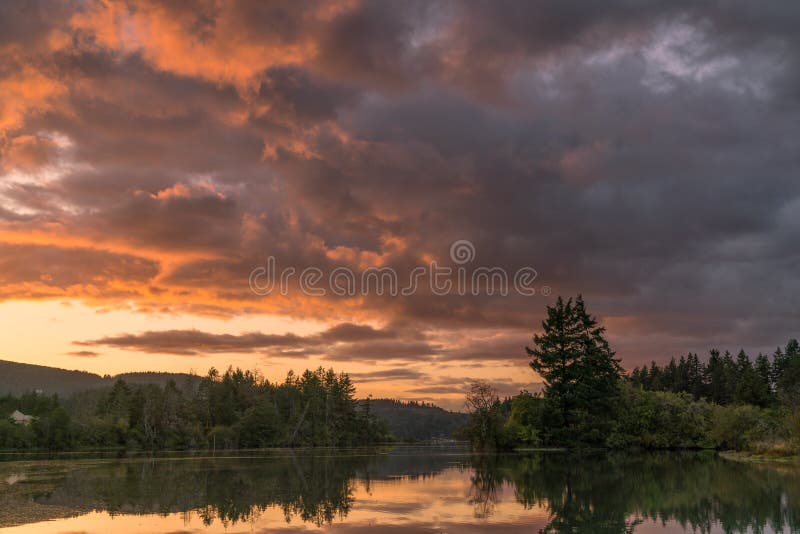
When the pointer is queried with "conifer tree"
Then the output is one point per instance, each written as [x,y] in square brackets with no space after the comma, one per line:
[580,372]
[788,382]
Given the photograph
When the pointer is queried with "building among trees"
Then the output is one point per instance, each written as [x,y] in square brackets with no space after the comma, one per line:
[20,418]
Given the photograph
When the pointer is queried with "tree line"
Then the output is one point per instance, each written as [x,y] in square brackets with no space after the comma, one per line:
[724,379]
[588,399]
[234,409]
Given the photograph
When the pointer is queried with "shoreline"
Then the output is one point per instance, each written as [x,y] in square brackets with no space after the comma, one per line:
[750,457]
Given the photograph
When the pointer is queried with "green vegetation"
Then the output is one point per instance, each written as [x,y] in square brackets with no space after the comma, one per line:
[726,403]
[580,373]
[724,379]
[587,400]
[235,409]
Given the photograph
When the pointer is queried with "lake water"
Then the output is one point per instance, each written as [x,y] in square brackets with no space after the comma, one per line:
[398,490]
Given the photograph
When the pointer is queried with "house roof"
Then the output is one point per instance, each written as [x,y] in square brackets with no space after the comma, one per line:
[17,415]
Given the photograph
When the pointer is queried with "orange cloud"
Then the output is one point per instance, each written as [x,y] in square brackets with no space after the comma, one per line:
[26,91]
[26,153]
[181,40]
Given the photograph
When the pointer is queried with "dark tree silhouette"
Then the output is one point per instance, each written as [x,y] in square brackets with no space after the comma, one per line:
[579,369]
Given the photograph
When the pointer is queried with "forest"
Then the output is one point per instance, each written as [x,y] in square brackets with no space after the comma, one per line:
[234,409]
[588,400]
[724,379]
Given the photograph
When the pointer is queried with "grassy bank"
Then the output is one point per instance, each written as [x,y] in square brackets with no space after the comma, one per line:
[767,456]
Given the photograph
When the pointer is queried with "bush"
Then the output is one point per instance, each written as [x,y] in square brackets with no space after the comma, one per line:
[792,425]
[661,420]
[14,436]
[741,427]
[525,420]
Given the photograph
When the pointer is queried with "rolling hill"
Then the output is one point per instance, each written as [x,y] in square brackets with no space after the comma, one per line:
[417,421]
[408,421]
[17,378]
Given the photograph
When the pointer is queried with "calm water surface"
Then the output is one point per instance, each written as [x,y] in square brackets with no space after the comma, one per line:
[399,490]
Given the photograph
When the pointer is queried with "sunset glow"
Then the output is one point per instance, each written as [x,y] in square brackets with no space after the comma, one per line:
[152,157]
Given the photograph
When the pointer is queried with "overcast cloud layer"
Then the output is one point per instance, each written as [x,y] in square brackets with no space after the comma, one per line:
[643,154]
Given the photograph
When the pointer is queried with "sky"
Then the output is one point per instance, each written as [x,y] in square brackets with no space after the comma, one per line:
[155,157]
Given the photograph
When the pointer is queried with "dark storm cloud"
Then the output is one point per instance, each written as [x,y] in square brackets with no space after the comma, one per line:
[400,373]
[438,390]
[383,351]
[644,154]
[196,342]
[84,354]
[456,385]
[354,332]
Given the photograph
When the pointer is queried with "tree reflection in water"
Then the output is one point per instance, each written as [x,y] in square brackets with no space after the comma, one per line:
[614,492]
[594,492]
[312,487]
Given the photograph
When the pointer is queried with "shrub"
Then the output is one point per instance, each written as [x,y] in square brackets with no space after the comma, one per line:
[740,427]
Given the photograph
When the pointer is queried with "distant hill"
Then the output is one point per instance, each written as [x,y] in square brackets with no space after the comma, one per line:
[416,421]
[408,421]
[17,378]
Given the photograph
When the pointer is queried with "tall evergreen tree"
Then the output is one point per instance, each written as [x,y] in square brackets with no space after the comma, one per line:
[716,377]
[778,363]
[747,384]
[763,371]
[788,379]
[694,376]
[580,372]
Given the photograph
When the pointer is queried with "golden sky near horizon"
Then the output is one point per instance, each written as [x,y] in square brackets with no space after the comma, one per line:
[153,155]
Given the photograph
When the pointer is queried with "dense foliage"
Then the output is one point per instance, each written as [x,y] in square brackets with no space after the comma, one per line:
[581,375]
[222,410]
[728,380]
[726,403]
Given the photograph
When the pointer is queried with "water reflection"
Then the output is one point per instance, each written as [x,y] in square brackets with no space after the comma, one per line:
[616,492]
[419,490]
